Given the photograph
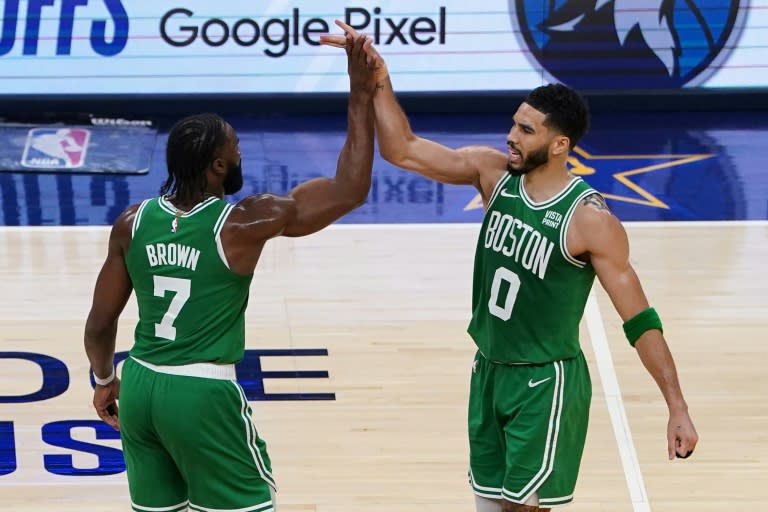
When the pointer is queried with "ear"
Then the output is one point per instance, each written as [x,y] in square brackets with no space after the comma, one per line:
[561,145]
[219,167]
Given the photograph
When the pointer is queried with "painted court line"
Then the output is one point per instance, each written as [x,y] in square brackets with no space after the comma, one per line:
[629,461]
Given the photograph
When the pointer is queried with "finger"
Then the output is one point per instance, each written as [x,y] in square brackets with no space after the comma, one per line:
[346,28]
[333,40]
[108,418]
[671,441]
[685,447]
[363,56]
[357,48]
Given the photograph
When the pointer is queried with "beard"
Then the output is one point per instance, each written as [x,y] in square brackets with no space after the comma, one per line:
[535,159]
[234,180]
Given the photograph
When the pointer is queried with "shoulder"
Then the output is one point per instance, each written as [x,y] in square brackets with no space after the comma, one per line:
[261,216]
[484,157]
[124,222]
[490,164]
[261,206]
[595,226]
[122,228]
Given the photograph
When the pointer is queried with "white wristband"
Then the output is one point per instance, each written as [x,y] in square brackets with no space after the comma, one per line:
[104,382]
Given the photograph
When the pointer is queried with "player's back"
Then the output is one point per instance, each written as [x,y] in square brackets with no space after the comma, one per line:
[529,293]
[191,305]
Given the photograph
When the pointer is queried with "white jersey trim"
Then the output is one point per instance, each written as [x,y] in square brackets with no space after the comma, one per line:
[550,448]
[137,217]
[168,206]
[564,230]
[173,508]
[262,507]
[497,189]
[552,200]
[251,436]
[203,370]
[217,233]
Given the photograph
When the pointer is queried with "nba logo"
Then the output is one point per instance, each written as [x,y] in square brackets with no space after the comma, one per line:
[55,148]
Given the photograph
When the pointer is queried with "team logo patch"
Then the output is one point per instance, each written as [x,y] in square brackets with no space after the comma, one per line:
[56,148]
[628,44]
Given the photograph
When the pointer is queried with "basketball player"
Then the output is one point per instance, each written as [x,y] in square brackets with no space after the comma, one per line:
[186,428]
[545,235]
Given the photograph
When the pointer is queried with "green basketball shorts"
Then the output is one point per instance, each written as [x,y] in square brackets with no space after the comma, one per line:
[189,441]
[527,426]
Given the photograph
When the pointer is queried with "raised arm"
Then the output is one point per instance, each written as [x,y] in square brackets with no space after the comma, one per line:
[111,293]
[481,166]
[401,147]
[601,235]
[321,201]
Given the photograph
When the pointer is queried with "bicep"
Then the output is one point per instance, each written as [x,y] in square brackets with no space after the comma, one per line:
[460,166]
[112,290]
[610,258]
[316,204]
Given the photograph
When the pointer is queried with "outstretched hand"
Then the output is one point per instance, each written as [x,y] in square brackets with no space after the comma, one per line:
[373,59]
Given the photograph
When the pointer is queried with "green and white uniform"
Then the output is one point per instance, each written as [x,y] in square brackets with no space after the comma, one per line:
[530,387]
[186,426]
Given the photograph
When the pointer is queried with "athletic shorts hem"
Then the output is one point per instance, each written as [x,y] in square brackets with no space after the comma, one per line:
[267,506]
[181,507]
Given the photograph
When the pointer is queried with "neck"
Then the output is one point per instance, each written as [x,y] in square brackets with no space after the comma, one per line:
[546,181]
[187,203]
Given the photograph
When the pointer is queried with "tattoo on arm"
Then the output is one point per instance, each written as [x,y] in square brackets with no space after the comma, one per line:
[596,201]
[379,85]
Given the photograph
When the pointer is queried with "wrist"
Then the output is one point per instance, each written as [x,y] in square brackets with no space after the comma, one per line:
[677,406]
[104,382]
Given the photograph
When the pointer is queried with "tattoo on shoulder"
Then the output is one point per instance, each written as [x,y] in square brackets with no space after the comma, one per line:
[596,201]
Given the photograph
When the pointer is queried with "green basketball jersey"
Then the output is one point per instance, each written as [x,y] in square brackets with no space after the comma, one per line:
[528,293]
[191,306]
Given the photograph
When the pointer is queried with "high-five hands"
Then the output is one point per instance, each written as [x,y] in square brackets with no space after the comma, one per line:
[373,61]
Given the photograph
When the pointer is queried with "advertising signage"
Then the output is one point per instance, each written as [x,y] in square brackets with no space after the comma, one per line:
[92,47]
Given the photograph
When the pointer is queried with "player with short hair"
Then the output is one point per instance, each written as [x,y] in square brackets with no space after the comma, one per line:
[546,234]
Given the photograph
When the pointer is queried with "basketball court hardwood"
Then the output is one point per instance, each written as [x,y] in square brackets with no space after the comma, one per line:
[391,304]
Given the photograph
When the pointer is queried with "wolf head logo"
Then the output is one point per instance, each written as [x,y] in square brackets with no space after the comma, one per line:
[635,44]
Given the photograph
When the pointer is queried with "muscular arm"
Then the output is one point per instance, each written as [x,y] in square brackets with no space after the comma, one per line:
[321,201]
[480,166]
[316,203]
[111,293]
[602,236]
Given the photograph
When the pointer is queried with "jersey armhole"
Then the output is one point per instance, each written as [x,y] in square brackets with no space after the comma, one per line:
[137,218]
[566,224]
[217,233]
[502,181]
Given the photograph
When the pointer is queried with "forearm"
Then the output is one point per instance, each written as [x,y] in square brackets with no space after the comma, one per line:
[100,347]
[353,170]
[392,127]
[657,359]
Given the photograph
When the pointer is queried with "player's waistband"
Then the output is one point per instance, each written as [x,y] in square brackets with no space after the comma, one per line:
[527,363]
[203,370]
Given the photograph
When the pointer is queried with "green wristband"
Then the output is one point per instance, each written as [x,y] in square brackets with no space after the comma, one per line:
[643,321]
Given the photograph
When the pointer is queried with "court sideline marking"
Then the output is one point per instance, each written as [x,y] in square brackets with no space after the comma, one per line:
[615,404]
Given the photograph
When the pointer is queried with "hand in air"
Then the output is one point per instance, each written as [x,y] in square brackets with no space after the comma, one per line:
[374,60]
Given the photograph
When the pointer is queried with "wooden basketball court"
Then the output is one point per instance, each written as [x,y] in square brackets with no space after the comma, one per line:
[390,304]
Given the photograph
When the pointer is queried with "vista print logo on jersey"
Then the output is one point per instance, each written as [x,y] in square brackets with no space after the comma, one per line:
[628,44]
[56,148]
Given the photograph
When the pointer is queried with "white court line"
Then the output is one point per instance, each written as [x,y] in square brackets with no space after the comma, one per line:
[634,477]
